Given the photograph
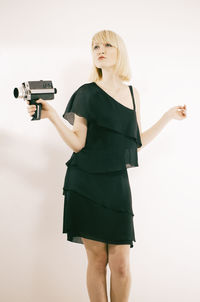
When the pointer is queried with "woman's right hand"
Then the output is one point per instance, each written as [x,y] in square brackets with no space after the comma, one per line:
[46,112]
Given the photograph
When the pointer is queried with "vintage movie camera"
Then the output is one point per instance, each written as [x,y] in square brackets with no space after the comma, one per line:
[32,91]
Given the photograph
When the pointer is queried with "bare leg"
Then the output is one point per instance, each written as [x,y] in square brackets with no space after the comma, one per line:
[120,281]
[96,270]
[120,287]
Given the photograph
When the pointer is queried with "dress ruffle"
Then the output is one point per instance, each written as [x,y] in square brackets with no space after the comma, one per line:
[112,132]
[89,103]
[83,217]
[102,161]
[98,156]
[110,190]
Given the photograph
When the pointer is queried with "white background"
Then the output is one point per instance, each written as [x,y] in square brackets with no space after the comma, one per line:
[50,40]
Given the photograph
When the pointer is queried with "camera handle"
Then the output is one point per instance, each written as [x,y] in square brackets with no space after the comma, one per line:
[37,114]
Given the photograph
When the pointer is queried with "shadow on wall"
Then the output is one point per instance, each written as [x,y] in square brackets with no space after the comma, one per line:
[32,242]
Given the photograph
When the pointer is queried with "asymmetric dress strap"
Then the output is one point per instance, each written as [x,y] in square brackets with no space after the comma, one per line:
[131,89]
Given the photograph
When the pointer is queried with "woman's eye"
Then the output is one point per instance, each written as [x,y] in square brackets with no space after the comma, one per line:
[106,44]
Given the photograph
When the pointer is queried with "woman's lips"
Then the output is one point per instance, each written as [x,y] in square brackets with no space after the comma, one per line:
[101,58]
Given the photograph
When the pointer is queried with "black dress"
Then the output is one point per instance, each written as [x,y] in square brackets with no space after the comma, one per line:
[98,201]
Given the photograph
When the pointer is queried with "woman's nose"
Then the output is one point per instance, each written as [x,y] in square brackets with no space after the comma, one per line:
[102,48]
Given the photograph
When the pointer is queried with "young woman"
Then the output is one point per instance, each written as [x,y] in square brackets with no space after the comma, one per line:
[106,136]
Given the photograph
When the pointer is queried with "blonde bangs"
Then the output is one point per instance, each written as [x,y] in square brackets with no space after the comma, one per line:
[105,36]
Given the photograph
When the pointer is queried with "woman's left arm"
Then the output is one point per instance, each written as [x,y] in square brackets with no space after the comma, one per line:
[176,112]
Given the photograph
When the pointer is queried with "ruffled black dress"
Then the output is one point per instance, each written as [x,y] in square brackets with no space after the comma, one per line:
[98,201]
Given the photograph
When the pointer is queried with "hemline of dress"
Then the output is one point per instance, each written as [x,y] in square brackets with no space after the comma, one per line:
[72,238]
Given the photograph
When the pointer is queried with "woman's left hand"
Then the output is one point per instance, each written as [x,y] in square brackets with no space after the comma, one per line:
[177,112]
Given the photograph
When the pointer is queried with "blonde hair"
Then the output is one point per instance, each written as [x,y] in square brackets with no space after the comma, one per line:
[122,68]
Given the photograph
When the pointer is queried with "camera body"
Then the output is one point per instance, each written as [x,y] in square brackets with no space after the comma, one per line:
[34,90]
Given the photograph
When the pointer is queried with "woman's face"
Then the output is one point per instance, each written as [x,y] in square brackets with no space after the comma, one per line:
[108,51]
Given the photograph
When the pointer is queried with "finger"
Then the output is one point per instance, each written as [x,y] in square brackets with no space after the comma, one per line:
[31,112]
[30,109]
[184,106]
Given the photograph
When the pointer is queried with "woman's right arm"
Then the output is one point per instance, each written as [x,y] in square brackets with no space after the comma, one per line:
[75,138]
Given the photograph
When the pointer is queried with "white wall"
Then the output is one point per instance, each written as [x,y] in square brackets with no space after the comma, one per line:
[51,40]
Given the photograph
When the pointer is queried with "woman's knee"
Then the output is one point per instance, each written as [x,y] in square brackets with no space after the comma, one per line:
[118,259]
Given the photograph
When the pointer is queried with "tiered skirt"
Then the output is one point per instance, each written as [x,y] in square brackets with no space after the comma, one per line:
[98,206]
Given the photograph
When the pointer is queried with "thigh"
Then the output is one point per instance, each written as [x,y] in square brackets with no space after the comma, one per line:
[96,250]
[118,256]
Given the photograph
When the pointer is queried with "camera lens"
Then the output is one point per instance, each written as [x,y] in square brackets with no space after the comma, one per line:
[16,92]
[19,93]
